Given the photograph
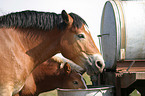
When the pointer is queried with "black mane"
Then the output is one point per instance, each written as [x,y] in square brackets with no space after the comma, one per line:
[40,20]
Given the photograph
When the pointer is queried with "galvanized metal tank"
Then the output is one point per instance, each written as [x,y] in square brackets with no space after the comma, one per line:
[123,31]
[106,90]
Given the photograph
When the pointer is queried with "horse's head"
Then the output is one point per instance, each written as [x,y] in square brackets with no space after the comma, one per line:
[78,45]
[72,79]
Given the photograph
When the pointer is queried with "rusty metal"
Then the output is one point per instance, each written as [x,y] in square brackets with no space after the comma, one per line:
[131,65]
[127,73]
[128,78]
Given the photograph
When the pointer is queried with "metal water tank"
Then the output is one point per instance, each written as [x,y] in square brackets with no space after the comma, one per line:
[105,90]
[123,31]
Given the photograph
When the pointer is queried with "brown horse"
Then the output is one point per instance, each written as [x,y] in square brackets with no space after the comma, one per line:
[49,76]
[29,38]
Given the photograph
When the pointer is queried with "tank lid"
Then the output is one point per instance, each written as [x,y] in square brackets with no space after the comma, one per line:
[109,30]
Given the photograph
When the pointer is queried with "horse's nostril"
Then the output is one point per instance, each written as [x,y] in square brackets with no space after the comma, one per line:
[99,64]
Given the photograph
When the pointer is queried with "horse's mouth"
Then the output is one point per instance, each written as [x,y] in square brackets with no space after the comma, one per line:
[91,70]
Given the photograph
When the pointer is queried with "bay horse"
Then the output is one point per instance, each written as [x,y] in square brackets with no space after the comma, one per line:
[28,38]
[50,75]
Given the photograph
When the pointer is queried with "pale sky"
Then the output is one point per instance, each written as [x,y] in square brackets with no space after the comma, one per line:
[89,10]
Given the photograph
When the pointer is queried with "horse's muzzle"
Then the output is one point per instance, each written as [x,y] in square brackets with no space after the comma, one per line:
[95,64]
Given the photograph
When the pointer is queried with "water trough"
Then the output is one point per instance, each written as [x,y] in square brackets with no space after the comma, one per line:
[106,90]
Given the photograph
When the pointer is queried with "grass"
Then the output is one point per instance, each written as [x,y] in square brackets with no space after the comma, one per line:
[50,93]
[54,92]
[135,93]
[87,78]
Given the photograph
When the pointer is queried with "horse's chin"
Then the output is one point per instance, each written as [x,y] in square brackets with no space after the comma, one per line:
[91,71]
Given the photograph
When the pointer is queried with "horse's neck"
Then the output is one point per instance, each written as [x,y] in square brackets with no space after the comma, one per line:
[40,47]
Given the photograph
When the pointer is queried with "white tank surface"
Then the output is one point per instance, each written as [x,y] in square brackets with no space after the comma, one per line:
[123,31]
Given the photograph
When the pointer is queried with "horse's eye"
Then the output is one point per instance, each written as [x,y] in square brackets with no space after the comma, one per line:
[81,36]
[75,82]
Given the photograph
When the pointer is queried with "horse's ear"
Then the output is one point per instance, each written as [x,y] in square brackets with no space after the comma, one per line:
[66,17]
[67,68]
